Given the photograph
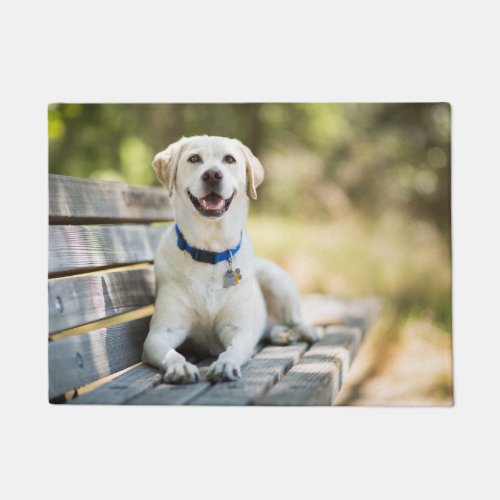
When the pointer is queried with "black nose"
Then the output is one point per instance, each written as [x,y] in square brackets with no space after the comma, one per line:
[212,176]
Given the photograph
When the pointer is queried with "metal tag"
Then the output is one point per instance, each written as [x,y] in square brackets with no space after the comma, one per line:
[229,279]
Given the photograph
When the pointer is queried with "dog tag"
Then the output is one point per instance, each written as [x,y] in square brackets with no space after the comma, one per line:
[229,279]
[237,275]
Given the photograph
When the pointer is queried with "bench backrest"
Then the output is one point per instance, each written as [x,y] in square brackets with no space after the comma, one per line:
[101,249]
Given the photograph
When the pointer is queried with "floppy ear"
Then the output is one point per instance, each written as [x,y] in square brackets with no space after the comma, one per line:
[165,164]
[254,170]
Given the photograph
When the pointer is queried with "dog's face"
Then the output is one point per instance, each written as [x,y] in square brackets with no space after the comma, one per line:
[209,173]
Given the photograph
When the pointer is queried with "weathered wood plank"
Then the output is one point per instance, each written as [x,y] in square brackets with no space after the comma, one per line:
[141,388]
[84,248]
[123,388]
[79,300]
[171,394]
[73,200]
[316,379]
[257,377]
[81,359]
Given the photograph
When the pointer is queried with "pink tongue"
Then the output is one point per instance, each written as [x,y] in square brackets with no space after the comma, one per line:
[212,202]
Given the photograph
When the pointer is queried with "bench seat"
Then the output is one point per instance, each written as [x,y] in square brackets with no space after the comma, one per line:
[102,242]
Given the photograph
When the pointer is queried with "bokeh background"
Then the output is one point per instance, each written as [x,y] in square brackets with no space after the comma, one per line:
[356,201]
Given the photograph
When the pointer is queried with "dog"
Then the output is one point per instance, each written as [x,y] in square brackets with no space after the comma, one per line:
[212,293]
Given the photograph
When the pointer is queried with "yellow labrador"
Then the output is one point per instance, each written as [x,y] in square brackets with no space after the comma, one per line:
[211,290]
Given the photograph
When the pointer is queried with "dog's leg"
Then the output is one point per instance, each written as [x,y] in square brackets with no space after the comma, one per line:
[166,333]
[283,305]
[239,350]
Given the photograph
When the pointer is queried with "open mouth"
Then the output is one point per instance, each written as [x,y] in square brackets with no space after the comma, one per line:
[211,205]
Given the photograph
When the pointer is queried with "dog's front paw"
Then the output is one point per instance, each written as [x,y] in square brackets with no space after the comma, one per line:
[182,373]
[283,335]
[306,332]
[221,371]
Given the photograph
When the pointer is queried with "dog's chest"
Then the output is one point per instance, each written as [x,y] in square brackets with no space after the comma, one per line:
[205,286]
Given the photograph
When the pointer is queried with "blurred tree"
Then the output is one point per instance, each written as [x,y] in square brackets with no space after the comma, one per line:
[322,157]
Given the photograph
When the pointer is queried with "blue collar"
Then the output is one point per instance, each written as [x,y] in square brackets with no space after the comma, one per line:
[205,255]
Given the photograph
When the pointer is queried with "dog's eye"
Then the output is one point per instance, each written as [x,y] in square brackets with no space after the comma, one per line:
[194,158]
[229,159]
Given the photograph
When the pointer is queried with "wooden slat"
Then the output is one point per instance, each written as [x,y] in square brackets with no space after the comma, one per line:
[81,359]
[84,248]
[171,394]
[123,388]
[73,200]
[258,376]
[143,386]
[79,300]
[316,379]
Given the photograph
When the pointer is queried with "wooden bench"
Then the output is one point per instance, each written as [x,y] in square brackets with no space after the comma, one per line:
[102,240]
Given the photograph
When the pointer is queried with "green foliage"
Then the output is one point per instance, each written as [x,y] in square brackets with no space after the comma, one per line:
[372,157]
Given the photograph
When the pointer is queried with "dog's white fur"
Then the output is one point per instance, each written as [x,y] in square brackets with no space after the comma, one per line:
[191,303]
